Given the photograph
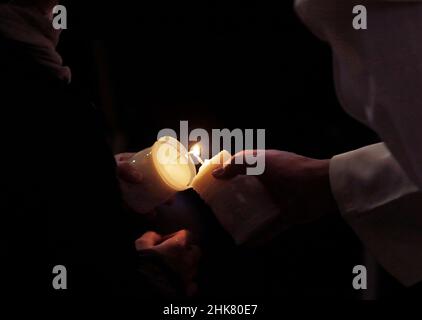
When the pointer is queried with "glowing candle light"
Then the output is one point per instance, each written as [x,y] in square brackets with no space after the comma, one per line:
[196,152]
[242,204]
[204,182]
[166,168]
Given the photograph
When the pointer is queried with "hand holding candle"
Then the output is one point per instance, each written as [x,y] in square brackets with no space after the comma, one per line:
[156,174]
[177,251]
[242,204]
[300,186]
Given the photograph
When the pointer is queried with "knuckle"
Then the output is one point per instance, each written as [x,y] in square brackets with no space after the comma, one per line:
[147,240]
[140,244]
[149,234]
[184,237]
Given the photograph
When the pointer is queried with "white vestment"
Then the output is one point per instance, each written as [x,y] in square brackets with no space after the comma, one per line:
[378,76]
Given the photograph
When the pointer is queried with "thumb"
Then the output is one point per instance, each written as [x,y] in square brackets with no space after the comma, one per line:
[237,166]
[148,241]
[229,171]
[128,173]
[180,239]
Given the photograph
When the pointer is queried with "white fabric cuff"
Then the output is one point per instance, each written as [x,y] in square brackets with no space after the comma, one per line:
[383,207]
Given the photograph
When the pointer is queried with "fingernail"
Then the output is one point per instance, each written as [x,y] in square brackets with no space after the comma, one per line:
[218,172]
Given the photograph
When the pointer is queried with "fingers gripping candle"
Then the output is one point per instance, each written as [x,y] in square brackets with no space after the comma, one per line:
[242,204]
[166,168]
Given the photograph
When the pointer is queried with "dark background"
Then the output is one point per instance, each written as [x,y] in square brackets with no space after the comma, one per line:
[227,64]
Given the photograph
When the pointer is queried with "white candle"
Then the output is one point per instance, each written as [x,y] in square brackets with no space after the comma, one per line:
[242,204]
[204,183]
[166,168]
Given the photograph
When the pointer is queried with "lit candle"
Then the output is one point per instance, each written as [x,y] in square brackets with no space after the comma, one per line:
[166,168]
[204,183]
[242,204]
[196,152]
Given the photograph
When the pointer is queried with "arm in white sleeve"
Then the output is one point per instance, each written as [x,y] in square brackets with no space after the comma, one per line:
[383,207]
[378,77]
[377,71]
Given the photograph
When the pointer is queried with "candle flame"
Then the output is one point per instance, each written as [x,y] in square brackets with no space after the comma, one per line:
[196,152]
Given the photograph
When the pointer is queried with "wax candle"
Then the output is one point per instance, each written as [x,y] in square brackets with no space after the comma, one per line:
[204,182]
[166,168]
[242,204]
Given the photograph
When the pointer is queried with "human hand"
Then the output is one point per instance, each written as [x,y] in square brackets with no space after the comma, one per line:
[45,6]
[177,251]
[130,181]
[299,185]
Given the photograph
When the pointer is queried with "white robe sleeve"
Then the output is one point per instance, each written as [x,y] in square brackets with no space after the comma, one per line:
[383,207]
[378,77]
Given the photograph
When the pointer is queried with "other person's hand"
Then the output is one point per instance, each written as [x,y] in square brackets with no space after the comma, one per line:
[299,185]
[177,251]
[45,6]
[130,182]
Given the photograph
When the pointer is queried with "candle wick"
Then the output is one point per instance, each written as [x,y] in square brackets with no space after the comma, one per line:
[191,153]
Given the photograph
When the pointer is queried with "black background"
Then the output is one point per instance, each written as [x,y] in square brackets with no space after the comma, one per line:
[226,64]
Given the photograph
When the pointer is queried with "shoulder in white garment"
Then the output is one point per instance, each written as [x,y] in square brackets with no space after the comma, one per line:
[378,72]
[378,77]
